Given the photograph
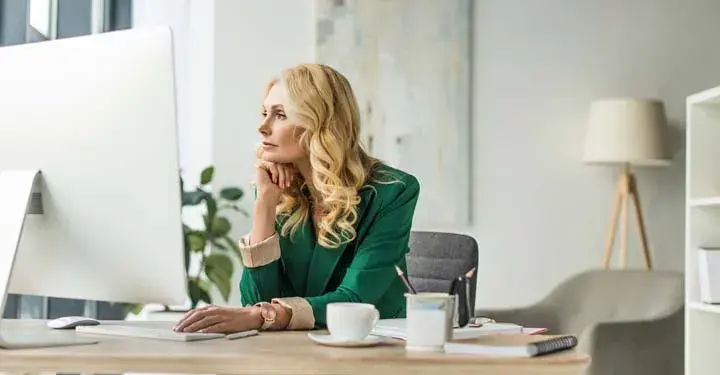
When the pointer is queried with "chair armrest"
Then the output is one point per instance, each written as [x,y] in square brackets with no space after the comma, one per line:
[652,346]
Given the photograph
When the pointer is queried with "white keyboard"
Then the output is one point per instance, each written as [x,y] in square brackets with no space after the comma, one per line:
[147,332]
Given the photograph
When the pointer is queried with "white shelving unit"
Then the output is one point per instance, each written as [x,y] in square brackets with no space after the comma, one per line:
[702,228]
[700,306]
[705,202]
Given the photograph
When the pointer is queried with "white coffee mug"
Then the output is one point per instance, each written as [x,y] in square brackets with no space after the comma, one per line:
[351,321]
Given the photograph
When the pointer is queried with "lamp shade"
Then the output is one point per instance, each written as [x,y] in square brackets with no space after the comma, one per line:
[630,131]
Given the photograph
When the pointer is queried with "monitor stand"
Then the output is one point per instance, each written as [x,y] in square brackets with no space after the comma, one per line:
[19,197]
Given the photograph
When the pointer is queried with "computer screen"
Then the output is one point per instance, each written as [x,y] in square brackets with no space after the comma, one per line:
[96,116]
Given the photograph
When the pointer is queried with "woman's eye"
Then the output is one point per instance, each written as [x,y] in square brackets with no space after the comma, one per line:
[280,116]
[263,114]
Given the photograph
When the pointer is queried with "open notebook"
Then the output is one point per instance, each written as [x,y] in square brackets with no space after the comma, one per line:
[396,328]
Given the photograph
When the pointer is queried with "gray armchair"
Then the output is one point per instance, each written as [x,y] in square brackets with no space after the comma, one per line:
[628,321]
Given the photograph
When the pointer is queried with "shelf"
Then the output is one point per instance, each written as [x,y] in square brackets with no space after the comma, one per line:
[705,202]
[708,96]
[702,227]
[706,307]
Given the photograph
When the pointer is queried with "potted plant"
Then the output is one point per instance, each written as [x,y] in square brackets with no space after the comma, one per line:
[210,245]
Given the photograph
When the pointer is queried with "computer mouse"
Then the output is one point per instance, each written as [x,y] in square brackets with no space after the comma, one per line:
[67,322]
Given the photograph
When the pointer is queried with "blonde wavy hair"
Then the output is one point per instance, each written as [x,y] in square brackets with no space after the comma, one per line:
[330,118]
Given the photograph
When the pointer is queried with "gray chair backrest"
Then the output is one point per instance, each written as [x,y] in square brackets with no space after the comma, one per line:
[436,258]
[600,295]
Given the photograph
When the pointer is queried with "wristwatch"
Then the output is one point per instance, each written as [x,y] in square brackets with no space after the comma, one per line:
[268,313]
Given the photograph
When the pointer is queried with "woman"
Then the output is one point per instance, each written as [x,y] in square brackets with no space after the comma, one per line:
[330,222]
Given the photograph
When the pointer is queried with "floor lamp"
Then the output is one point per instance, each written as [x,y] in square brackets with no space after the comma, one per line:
[626,133]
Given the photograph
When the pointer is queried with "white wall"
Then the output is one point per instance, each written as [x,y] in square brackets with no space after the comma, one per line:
[540,214]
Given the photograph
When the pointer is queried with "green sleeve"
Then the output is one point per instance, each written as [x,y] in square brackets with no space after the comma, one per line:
[372,271]
[260,284]
[264,282]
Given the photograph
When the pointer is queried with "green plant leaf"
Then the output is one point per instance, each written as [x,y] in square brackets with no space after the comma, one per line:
[205,284]
[212,208]
[197,293]
[234,246]
[222,283]
[186,250]
[133,308]
[193,198]
[235,207]
[231,193]
[219,269]
[196,241]
[186,246]
[221,262]
[207,175]
[219,245]
[220,227]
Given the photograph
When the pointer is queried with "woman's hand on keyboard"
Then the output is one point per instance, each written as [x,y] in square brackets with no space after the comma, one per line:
[220,319]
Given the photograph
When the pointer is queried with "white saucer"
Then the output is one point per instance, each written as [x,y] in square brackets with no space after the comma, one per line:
[328,340]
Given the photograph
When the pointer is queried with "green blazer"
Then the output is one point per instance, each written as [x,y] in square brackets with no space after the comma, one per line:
[360,271]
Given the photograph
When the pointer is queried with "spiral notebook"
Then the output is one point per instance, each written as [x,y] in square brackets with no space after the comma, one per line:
[532,349]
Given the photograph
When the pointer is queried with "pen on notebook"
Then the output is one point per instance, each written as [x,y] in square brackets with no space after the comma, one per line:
[409,286]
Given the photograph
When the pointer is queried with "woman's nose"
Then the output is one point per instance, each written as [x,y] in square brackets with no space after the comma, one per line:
[264,128]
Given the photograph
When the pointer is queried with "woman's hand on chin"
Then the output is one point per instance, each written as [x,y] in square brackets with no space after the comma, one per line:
[272,179]
[220,319]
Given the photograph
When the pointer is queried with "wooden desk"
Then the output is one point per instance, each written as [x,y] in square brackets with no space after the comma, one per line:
[280,353]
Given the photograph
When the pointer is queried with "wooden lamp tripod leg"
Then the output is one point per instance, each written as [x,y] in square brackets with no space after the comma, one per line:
[640,221]
[626,190]
[610,240]
[624,219]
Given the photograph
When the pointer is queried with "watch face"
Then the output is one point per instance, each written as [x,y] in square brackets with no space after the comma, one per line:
[268,312]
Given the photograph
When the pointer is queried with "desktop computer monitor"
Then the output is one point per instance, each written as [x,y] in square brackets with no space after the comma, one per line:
[89,123]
